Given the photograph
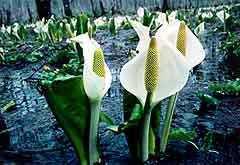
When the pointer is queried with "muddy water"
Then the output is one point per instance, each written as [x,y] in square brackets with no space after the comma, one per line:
[37,139]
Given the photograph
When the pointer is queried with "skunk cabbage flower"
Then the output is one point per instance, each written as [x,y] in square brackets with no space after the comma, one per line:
[96,75]
[178,34]
[143,34]
[222,15]
[41,27]
[164,19]
[140,12]
[158,68]
[161,19]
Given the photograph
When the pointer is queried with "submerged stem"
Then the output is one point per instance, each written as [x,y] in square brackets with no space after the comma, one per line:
[145,125]
[93,136]
[167,122]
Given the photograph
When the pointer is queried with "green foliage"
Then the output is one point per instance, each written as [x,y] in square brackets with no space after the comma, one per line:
[9,106]
[73,67]
[82,24]
[126,25]
[207,99]
[30,57]
[55,30]
[180,134]
[105,119]
[231,48]
[148,17]
[112,26]
[70,105]
[230,88]
[208,141]
[130,103]
[133,120]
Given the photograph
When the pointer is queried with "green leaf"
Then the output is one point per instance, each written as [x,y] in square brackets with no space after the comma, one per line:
[105,118]
[136,113]
[70,105]
[9,106]
[132,122]
[82,24]
[133,112]
[180,134]
[132,133]
[148,18]
[230,88]
[112,26]
[207,99]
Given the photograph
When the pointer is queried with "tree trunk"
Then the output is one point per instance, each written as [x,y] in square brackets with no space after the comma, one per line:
[25,10]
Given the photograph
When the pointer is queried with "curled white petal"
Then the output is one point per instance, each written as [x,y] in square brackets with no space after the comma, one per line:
[143,35]
[161,19]
[194,49]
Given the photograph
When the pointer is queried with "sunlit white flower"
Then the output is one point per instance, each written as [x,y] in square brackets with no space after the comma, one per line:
[41,27]
[158,68]
[140,12]
[172,16]
[177,33]
[101,21]
[119,20]
[161,18]
[200,29]
[164,19]
[9,29]
[222,15]
[69,30]
[207,15]
[96,74]
[143,34]
[3,29]
[15,30]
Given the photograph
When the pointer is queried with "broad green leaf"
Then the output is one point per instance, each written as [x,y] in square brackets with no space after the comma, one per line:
[207,99]
[132,133]
[105,118]
[82,24]
[70,105]
[133,112]
[181,134]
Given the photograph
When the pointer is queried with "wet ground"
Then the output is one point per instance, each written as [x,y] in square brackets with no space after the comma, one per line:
[37,139]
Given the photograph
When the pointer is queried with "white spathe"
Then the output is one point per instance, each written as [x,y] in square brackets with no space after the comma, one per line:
[194,49]
[143,35]
[173,69]
[140,12]
[95,86]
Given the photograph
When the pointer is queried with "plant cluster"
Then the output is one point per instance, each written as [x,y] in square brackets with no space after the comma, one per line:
[75,81]
[231,48]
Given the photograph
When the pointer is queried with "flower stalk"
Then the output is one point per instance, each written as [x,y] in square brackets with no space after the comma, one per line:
[167,122]
[181,46]
[145,125]
[93,135]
